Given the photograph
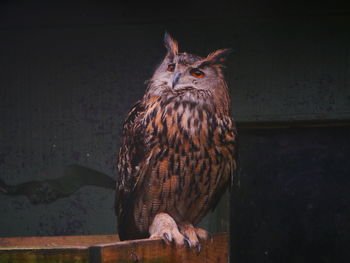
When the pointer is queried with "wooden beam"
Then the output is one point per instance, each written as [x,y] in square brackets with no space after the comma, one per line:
[55,241]
[213,250]
[106,249]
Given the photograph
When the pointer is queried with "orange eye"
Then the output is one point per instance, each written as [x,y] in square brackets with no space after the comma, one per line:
[171,67]
[197,73]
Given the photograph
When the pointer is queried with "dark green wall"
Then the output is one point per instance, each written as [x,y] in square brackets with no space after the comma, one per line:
[292,200]
[69,76]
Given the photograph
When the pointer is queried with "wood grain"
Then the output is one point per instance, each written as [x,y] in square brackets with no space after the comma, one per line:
[50,248]
[105,249]
[213,250]
[56,241]
[76,255]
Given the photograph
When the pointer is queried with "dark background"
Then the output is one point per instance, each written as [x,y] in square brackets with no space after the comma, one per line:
[70,72]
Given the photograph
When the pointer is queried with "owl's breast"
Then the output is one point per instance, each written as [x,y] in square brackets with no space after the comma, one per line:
[191,156]
[175,120]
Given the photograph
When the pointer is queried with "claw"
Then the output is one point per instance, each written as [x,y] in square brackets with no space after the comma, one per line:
[198,246]
[165,227]
[166,237]
[188,242]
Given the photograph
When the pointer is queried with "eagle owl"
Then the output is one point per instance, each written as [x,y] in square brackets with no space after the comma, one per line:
[178,149]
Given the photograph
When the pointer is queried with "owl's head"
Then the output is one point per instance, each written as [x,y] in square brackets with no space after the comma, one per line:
[180,71]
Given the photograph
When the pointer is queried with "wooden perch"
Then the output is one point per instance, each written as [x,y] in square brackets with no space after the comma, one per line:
[107,249]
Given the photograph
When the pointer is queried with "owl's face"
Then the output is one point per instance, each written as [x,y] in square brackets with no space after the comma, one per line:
[182,70]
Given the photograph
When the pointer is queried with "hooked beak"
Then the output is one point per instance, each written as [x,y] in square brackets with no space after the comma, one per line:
[176,79]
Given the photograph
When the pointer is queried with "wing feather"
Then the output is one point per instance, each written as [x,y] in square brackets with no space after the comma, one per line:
[132,152]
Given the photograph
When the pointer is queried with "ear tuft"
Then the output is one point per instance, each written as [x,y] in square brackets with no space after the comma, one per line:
[171,45]
[217,57]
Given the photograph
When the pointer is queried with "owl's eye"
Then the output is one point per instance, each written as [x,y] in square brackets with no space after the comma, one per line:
[197,73]
[171,67]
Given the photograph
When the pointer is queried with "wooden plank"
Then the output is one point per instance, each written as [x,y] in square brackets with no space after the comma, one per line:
[52,255]
[50,248]
[55,241]
[107,249]
[213,250]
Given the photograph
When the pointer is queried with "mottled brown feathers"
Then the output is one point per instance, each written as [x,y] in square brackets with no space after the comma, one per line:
[178,153]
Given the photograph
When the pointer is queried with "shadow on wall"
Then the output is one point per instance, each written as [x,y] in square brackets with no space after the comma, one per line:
[75,177]
[47,191]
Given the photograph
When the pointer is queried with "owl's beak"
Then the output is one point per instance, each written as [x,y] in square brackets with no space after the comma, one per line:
[176,78]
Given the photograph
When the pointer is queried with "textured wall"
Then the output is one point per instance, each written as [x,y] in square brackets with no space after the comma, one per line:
[292,203]
[65,90]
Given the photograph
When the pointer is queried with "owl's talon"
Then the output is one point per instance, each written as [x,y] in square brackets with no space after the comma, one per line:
[193,235]
[165,227]
[187,242]
[198,246]
[166,237]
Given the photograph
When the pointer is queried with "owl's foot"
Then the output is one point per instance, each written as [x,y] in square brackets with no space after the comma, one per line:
[165,227]
[192,235]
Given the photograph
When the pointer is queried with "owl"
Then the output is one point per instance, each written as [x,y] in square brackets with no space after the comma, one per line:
[178,150]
